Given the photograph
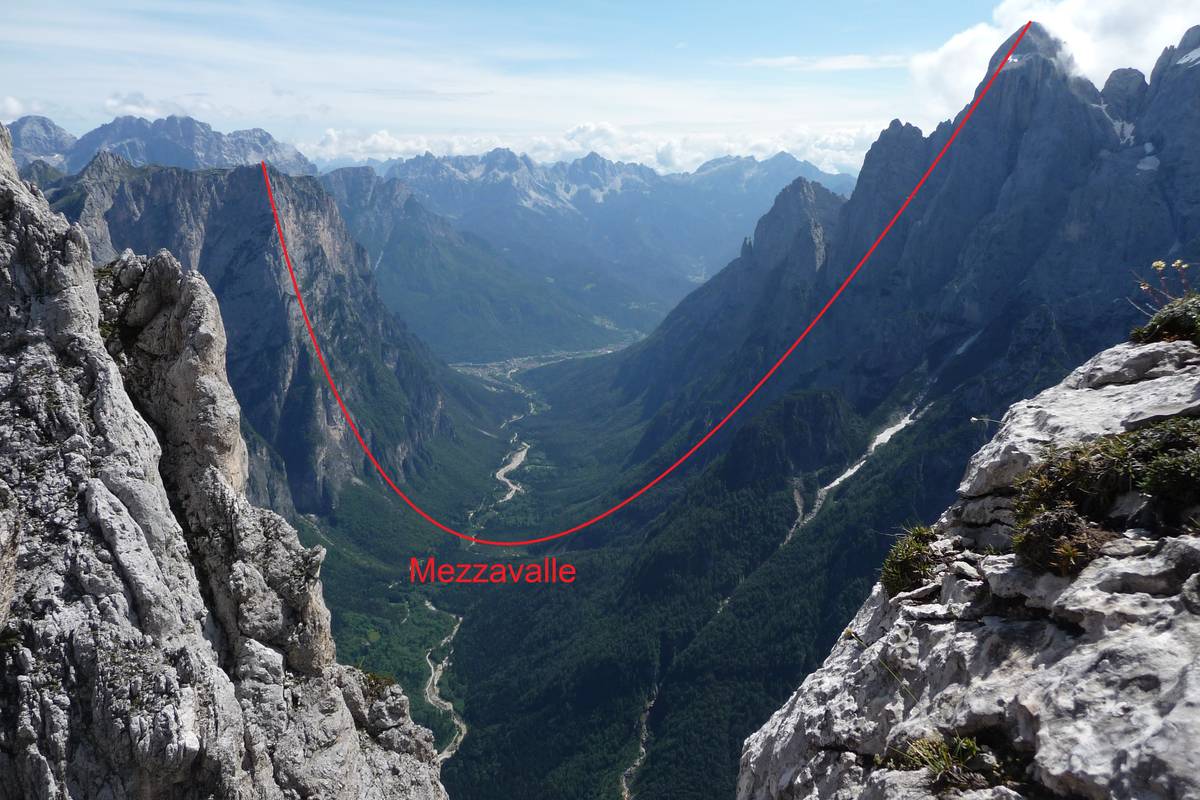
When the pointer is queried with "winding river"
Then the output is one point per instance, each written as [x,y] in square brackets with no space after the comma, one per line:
[433,695]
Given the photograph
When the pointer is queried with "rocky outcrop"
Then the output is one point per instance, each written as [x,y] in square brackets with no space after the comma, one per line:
[162,637]
[1083,686]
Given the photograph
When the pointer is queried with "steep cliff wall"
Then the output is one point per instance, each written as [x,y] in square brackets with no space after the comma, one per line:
[991,675]
[161,636]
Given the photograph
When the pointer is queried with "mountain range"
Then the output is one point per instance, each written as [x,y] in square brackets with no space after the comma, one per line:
[618,237]
[458,292]
[172,141]
[494,256]
[730,583]
[217,223]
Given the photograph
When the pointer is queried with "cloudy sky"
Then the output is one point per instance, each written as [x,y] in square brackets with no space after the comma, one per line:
[669,86]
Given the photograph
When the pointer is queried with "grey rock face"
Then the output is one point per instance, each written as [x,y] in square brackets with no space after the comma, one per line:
[1124,93]
[1089,684]
[1127,386]
[163,637]
[185,142]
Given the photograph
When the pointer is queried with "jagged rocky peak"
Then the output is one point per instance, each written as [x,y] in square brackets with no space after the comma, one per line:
[1036,43]
[1036,68]
[800,221]
[161,635]
[1068,668]
[1186,54]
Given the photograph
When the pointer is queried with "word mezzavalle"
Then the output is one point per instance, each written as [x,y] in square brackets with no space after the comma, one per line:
[549,570]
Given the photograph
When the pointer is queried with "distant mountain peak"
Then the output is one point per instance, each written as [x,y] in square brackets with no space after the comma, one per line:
[785,157]
[37,138]
[721,161]
[1190,40]
[594,159]
[182,141]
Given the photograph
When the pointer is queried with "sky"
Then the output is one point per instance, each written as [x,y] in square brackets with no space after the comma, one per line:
[668,84]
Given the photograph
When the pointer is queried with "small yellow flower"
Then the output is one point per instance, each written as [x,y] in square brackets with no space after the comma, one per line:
[1159,266]
[1145,287]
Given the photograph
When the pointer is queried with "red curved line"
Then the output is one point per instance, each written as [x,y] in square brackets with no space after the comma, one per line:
[787,354]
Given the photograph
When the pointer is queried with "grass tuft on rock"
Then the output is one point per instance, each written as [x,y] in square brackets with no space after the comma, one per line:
[1059,540]
[947,760]
[910,562]
[1178,320]
[1063,501]
[1162,460]
[376,685]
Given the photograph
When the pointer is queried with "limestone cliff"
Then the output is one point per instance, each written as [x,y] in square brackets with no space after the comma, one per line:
[991,678]
[217,222]
[161,637]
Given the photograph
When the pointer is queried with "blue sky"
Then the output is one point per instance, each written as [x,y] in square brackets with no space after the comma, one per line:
[666,83]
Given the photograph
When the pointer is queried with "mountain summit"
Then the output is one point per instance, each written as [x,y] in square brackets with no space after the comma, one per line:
[39,139]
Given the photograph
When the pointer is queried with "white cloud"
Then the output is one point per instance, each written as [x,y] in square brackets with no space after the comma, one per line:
[947,76]
[840,63]
[10,108]
[1101,35]
[135,104]
[834,150]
